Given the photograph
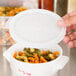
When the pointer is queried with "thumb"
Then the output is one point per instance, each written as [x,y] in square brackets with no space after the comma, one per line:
[67,21]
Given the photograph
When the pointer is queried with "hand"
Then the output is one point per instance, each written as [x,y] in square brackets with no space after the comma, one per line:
[69,21]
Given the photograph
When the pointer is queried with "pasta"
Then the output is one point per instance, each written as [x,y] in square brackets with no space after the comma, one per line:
[10,11]
[33,55]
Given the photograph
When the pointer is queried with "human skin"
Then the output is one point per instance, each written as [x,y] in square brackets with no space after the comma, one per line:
[69,21]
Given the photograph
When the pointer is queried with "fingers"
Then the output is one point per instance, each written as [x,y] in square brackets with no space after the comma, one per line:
[69,14]
[69,29]
[72,44]
[72,27]
[70,40]
[68,20]
[70,37]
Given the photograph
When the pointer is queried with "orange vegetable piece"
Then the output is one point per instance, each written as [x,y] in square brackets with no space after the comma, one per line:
[11,13]
[22,9]
[15,54]
[31,60]
[20,53]
[16,10]
[9,8]
[23,54]
[56,53]
[42,59]
[45,52]
[36,61]
[36,56]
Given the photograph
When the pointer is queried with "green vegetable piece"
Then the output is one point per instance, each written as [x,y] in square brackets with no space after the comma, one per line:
[22,58]
[28,54]
[47,58]
[37,50]
[49,52]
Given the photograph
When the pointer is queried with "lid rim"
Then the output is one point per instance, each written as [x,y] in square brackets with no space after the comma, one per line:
[54,41]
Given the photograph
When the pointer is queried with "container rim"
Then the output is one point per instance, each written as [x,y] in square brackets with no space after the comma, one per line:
[61,52]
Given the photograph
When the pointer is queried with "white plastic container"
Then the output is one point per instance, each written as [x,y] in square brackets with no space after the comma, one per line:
[36,28]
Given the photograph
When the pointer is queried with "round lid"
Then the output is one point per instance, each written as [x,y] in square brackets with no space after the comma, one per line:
[36,27]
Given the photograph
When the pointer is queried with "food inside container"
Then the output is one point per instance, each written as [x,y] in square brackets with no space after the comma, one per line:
[7,12]
[34,55]
[11,11]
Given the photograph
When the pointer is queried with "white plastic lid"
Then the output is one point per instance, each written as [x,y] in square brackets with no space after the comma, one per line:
[36,27]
